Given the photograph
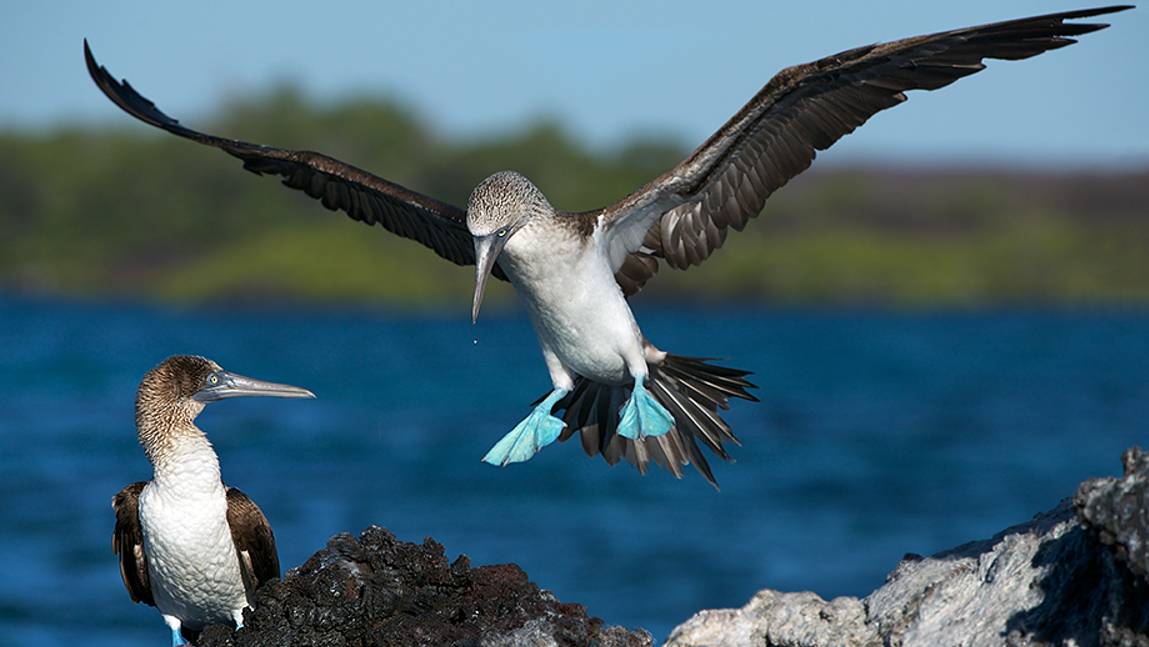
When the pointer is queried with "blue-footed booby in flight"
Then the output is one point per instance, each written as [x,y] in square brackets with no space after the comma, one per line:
[189,545]
[575,271]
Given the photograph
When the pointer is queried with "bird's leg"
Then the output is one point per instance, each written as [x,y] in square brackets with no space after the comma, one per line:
[539,428]
[642,415]
[174,623]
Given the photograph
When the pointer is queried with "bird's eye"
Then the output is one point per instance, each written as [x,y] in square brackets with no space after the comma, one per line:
[213,379]
[502,233]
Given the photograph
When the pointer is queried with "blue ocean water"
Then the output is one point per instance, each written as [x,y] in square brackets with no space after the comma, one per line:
[879,433]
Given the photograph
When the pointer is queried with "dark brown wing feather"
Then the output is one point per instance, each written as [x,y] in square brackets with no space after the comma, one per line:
[804,109]
[339,186]
[254,541]
[128,543]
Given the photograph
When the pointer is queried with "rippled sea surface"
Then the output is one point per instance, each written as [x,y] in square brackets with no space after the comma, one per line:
[879,433]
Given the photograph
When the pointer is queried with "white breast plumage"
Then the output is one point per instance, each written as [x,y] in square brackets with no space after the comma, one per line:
[577,308]
[192,562]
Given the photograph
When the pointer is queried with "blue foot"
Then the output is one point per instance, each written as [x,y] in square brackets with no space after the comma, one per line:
[642,415]
[536,431]
[178,638]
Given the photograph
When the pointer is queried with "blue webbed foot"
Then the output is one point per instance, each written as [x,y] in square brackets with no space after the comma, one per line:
[178,638]
[642,415]
[536,431]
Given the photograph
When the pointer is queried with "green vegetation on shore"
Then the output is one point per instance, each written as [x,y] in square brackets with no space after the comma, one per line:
[127,212]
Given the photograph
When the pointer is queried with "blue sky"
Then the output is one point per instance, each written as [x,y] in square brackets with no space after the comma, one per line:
[607,70]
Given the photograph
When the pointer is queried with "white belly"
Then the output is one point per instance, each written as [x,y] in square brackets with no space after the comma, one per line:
[192,563]
[577,308]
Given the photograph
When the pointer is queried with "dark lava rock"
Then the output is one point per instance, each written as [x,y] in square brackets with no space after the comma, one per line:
[378,590]
[1072,576]
[1117,510]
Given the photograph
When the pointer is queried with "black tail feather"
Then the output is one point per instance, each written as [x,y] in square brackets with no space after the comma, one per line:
[691,388]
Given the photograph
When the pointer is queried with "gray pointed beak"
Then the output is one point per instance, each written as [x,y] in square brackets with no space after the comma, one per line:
[233,385]
[487,250]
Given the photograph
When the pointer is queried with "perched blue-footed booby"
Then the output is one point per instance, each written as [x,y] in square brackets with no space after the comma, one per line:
[621,394]
[189,545]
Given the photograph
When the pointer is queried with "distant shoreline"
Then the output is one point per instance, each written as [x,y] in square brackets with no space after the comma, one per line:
[116,213]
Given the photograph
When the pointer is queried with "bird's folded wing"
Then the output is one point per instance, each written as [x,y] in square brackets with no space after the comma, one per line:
[128,543]
[254,541]
[683,216]
[339,186]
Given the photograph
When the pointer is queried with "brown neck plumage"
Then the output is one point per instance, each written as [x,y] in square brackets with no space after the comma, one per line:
[164,413]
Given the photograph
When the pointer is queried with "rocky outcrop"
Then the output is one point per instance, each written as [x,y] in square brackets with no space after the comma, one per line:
[377,590]
[1117,510]
[1075,575]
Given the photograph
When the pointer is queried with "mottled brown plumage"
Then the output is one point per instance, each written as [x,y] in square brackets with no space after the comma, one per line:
[165,407]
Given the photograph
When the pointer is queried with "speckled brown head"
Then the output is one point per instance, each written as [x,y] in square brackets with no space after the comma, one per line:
[173,393]
[177,378]
[504,202]
[501,205]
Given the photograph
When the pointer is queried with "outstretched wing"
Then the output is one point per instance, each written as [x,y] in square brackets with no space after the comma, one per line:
[684,215]
[128,543]
[254,541]
[339,186]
